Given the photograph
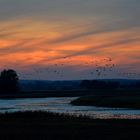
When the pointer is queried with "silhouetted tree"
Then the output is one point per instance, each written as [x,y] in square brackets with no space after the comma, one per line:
[9,81]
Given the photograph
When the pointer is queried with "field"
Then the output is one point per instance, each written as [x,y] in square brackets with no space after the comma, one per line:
[126,99]
[49,126]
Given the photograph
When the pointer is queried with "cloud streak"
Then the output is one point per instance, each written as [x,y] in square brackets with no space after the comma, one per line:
[42,33]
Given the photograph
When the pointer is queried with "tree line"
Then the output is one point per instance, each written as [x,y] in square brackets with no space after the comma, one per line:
[101,84]
[9,83]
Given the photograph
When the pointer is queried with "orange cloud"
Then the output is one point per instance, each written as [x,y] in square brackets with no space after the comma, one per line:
[25,43]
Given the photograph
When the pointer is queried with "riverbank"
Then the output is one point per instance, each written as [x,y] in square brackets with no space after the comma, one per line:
[44,94]
[113,101]
[52,126]
[69,93]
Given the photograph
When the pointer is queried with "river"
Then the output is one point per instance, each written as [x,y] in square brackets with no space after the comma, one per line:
[62,105]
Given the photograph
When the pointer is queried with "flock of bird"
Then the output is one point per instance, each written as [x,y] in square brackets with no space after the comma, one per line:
[102,67]
[97,68]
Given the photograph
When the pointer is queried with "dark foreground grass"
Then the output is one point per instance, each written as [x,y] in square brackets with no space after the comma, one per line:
[50,126]
[117,101]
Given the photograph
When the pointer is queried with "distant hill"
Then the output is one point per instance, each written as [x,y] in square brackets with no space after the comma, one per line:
[29,85]
[41,85]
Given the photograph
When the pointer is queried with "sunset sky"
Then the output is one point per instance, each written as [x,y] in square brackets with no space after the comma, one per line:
[70,39]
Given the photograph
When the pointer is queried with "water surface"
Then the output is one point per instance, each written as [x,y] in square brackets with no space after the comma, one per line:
[62,105]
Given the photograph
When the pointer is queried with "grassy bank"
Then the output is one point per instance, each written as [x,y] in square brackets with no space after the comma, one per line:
[68,93]
[42,126]
[116,101]
[44,94]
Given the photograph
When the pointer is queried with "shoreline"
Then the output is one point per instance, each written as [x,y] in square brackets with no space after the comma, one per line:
[70,93]
[115,101]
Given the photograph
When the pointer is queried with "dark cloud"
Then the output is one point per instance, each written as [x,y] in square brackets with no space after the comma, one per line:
[120,9]
[112,14]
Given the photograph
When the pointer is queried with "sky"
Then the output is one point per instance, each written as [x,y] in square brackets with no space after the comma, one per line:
[70,39]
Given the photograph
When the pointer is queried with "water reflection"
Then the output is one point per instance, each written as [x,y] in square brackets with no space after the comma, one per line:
[62,105]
